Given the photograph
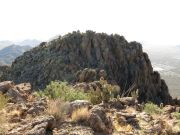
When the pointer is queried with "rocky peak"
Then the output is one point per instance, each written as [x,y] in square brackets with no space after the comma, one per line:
[61,59]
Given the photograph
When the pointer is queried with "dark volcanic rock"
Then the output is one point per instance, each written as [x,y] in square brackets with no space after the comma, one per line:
[61,59]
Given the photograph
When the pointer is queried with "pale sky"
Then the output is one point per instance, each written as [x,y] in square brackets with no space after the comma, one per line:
[154,22]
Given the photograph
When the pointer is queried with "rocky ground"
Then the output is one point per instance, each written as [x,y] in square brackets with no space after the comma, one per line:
[26,114]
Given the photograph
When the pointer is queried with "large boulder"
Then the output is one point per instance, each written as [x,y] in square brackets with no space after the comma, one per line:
[5,86]
[99,121]
[127,101]
[78,104]
[16,93]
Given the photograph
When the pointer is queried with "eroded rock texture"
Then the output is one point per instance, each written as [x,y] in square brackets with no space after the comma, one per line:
[62,59]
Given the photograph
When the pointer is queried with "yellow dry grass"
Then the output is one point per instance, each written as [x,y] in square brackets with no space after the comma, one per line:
[15,113]
[122,128]
[2,124]
[3,101]
[58,109]
[81,114]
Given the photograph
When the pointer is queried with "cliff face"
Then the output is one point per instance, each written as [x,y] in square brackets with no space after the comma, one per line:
[62,59]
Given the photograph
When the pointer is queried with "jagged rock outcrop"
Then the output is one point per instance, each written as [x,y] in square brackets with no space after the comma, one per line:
[63,58]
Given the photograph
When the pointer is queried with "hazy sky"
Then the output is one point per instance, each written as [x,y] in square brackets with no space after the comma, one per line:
[155,22]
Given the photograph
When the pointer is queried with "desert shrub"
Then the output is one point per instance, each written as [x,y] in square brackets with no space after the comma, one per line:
[95,96]
[80,115]
[104,93]
[62,91]
[75,94]
[58,108]
[108,91]
[176,115]
[152,108]
[3,101]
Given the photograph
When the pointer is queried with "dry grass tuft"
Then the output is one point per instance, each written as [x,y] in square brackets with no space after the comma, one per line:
[15,113]
[3,121]
[122,127]
[58,109]
[3,101]
[80,115]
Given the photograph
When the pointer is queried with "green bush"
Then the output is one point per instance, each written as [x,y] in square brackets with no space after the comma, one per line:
[62,91]
[152,108]
[176,115]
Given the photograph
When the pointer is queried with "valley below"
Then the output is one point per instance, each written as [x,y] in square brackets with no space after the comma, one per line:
[166,61]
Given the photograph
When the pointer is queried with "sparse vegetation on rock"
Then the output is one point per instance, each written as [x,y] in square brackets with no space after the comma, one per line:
[80,114]
[152,108]
[63,91]
[58,108]
[122,115]
[107,79]
[81,57]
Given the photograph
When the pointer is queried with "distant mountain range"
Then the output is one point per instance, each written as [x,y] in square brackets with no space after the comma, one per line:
[27,42]
[178,46]
[5,43]
[9,50]
[8,54]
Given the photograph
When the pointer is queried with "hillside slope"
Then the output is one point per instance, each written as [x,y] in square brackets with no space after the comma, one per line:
[8,54]
[65,57]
